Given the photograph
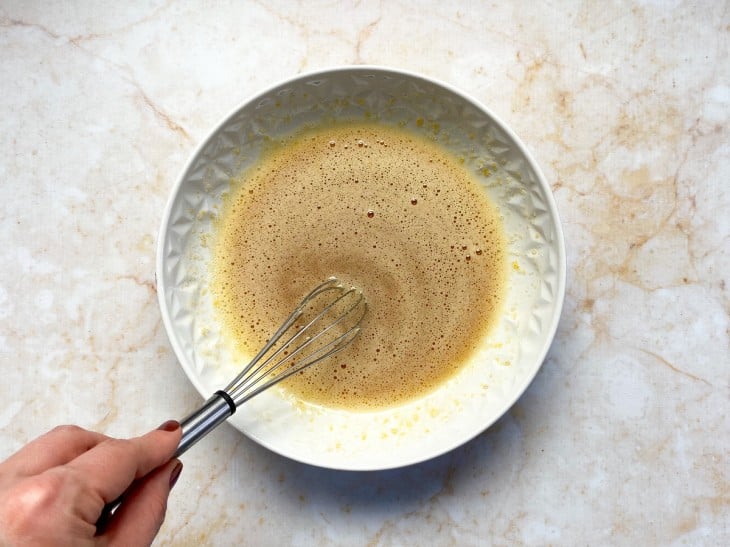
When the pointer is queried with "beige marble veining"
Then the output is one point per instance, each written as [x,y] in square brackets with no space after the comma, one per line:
[624,436]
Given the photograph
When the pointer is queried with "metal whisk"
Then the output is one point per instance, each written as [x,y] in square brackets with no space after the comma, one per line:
[330,320]
[331,315]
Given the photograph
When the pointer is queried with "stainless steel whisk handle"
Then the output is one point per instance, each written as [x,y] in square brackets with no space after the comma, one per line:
[194,427]
[210,415]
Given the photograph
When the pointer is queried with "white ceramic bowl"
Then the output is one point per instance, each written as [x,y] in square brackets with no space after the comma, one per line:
[508,359]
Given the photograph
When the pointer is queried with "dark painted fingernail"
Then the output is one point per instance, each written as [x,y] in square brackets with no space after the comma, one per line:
[169,425]
[175,474]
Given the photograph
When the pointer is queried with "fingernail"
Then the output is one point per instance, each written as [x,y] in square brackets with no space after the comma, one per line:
[175,474]
[169,425]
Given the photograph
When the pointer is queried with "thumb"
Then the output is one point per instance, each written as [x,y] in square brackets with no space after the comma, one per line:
[139,518]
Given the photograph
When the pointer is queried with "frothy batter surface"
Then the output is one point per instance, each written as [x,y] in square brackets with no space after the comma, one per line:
[380,208]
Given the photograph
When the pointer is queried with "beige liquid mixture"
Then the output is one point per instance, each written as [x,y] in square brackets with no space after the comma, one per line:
[383,209]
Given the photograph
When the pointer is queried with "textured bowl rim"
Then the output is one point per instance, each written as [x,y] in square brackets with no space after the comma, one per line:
[550,331]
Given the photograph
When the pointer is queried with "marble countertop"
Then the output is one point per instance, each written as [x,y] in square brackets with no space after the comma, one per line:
[624,436]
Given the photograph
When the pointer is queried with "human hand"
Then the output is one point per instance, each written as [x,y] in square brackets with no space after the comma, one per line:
[53,490]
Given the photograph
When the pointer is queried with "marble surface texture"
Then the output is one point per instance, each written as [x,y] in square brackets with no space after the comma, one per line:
[624,436]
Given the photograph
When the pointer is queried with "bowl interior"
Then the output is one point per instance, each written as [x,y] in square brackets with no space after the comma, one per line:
[494,377]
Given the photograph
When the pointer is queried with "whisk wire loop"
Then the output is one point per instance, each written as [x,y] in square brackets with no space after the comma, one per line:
[239,391]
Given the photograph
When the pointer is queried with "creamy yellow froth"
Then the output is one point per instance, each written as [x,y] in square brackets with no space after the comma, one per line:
[383,209]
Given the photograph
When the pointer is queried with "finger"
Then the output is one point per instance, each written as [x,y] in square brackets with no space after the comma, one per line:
[57,447]
[139,518]
[111,466]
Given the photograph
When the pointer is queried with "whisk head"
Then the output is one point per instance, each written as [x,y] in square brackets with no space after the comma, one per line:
[326,321]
